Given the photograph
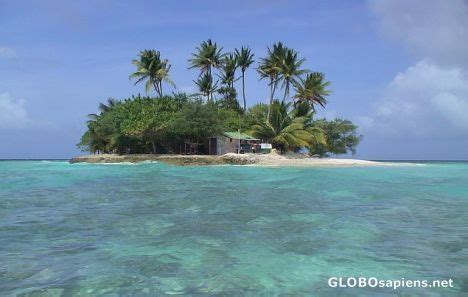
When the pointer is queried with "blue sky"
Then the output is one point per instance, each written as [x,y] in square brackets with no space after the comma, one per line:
[398,68]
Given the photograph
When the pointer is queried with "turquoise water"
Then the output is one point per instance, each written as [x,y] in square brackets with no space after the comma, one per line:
[154,229]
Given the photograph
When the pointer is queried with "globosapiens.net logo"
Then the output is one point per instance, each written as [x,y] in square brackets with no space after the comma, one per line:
[374,282]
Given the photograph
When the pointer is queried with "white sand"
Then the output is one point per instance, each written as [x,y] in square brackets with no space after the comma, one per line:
[298,160]
[303,160]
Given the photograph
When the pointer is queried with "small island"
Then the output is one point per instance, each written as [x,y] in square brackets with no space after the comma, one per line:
[272,159]
[215,125]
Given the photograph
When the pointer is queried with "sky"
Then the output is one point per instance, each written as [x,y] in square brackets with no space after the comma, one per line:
[398,68]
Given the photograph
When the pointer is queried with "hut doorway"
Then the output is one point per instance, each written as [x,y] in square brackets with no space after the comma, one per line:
[213,146]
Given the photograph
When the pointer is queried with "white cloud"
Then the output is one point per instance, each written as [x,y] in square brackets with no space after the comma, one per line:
[430,98]
[423,101]
[431,29]
[7,52]
[454,108]
[13,114]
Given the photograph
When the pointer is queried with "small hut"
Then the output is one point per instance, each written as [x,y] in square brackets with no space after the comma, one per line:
[233,142]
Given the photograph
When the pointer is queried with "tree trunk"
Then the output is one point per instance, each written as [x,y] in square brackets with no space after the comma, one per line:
[156,88]
[243,90]
[286,91]
[154,146]
[210,91]
[274,90]
[272,93]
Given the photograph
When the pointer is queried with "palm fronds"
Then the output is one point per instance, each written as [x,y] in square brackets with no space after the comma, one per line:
[153,69]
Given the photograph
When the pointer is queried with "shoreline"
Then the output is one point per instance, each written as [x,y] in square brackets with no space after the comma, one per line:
[270,160]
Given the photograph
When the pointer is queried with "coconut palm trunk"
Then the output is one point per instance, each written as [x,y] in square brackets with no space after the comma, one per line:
[286,92]
[273,92]
[272,95]
[156,87]
[211,85]
[153,144]
[243,90]
[244,57]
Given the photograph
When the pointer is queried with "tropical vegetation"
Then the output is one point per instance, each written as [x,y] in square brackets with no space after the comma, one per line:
[289,129]
[183,123]
[151,68]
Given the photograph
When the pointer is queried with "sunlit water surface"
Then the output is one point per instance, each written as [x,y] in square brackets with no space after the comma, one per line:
[154,229]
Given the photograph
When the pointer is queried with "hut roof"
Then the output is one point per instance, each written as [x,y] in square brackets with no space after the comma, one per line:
[237,135]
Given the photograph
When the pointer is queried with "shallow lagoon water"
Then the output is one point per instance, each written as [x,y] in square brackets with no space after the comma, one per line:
[154,229]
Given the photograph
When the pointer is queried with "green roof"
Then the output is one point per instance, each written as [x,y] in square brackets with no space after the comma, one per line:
[237,135]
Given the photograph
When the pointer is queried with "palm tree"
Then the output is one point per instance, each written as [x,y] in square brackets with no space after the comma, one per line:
[305,111]
[287,132]
[206,86]
[291,70]
[111,103]
[271,67]
[150,67]
[313,90]
[208,56]
[228,70]
[97,136]
[244,58]
[228,77]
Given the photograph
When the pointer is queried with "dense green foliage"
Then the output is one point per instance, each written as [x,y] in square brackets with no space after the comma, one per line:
[183,123]
[156,125]
[195,122]
[341,137]
[289,129]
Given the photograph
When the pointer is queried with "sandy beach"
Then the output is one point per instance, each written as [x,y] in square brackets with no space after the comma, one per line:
[273,159]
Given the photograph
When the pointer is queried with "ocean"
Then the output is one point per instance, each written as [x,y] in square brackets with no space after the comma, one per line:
[152,229]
